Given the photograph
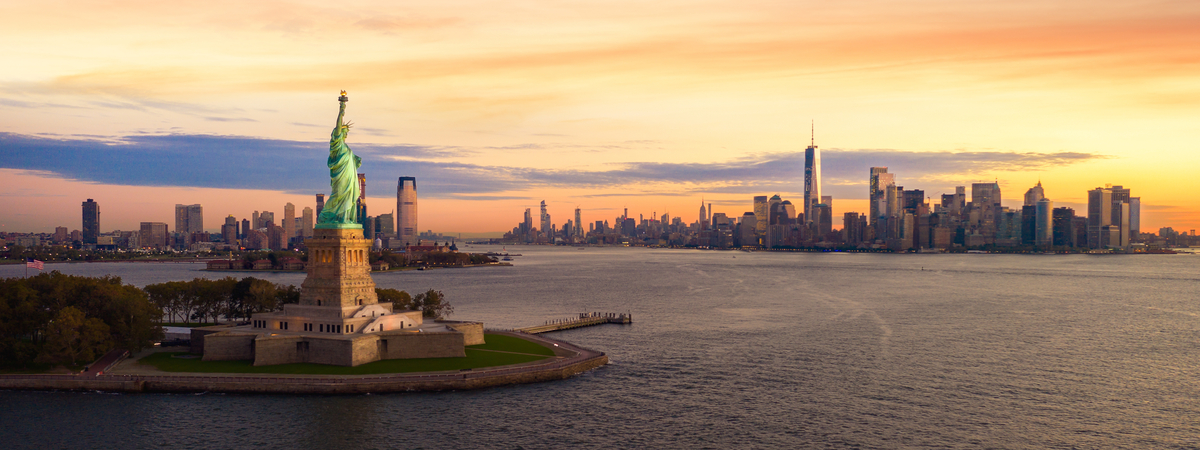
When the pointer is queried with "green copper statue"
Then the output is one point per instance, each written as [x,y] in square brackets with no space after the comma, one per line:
[341,210]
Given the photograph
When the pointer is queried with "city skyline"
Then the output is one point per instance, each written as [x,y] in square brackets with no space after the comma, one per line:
[592,106]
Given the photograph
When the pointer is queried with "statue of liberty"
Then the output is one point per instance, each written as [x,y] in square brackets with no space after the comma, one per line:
[341,209]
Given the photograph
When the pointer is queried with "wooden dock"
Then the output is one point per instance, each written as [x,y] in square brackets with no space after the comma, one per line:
[584,320]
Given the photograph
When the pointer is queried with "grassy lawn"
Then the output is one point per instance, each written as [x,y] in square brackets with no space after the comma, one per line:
[512,344]
[477,357]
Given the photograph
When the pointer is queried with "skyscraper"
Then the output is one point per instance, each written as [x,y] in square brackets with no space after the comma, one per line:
[877,196]
[578,222]
[306,222]
[1044,228]
[545,228]
[1099,214]
[320,204]
[703,216]
[1034,194]
[985,198]
[229,230]
[406,210]
[91,221]
[812,180]
[762,214]
[361,205]
[289,223]
[189,219]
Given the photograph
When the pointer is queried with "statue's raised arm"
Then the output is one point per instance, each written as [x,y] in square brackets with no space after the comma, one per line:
[341,209]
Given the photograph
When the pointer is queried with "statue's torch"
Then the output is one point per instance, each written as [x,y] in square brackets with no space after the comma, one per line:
[343,98]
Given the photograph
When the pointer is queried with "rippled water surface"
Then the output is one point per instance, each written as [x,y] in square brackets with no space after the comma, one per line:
[739,350]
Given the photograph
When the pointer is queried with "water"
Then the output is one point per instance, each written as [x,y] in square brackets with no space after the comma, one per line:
[739,350]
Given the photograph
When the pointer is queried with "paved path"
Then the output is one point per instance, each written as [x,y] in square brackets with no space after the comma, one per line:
[104,362]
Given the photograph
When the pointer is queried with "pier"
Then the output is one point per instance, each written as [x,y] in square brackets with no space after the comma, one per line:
[584,320]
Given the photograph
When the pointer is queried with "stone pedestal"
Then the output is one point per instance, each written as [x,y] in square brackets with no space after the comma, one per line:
[339,319]
[339,270]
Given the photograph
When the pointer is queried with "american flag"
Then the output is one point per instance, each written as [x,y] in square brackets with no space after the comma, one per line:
[33,263]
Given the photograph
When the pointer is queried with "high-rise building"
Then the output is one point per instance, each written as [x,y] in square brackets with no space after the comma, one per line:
[703,216]
[360,205]
[406,210]
[1044,228]
[985,199]
[386,225]
[879,184]
[812,180]
[229,230]
[762,214]
[61,234]
[189,219]
[1063,223]
[1121,214]
[266,218]
[1135,217]
[578,222]
[245,231]
[153,235]
[1099,214]
[255,221]
[306,222]
[320,204]
[527,226]
[91,221]
[1034,194]
[545,228]
[289,223]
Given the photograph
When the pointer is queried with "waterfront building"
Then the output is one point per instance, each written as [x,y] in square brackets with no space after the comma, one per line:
[1135,216]
[1029,224]
[406,210]
[762,215]
[1044,228]
[153,235]
[1099,215]
[747,230]
[1064,230]
[91,221]
[547,231]
[879,182]
[61,234]
[812,179]
[578,223]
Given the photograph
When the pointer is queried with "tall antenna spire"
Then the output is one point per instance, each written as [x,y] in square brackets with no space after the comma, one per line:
[813,131]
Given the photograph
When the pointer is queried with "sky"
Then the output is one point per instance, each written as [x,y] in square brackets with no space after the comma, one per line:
[650,106]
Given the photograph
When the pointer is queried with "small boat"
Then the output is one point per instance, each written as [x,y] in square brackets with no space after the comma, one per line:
[506,258]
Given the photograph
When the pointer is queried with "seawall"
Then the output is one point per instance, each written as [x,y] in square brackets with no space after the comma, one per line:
[554,369]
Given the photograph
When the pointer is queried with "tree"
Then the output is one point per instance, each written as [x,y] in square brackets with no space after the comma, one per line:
[432,304]
[72,337]
[400,300]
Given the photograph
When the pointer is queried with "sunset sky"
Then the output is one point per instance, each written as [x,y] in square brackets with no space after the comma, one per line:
[495,106]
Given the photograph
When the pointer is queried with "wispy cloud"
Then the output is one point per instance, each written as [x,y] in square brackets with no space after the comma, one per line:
[240,162]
